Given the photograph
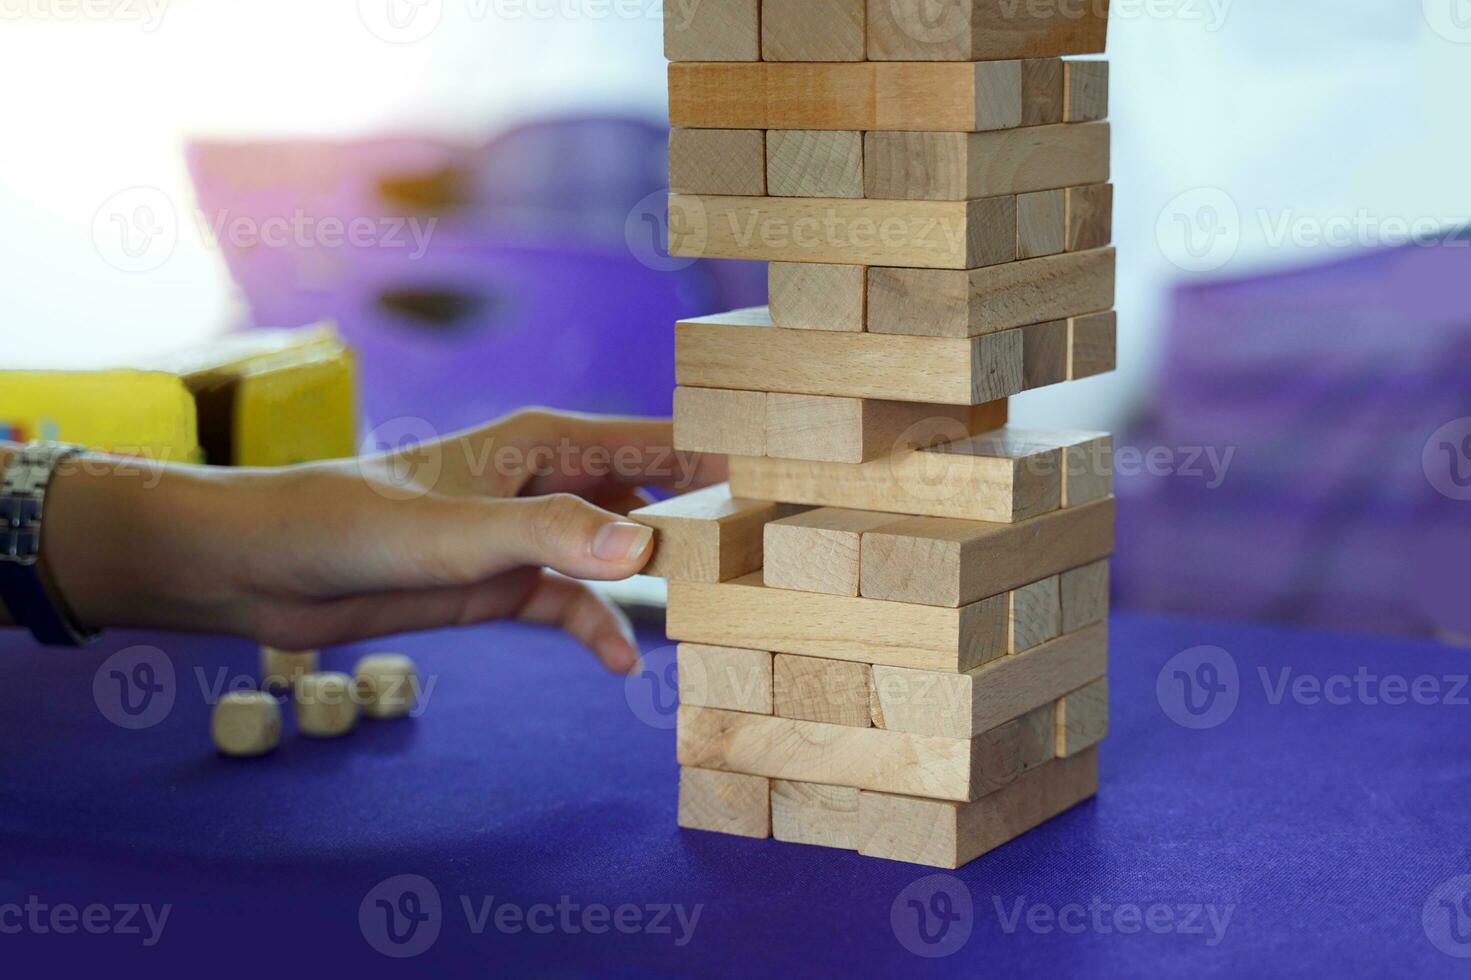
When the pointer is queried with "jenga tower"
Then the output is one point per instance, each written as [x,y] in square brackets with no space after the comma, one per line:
[893,620]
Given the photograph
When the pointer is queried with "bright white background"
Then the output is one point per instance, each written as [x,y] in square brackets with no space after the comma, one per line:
[1302,111]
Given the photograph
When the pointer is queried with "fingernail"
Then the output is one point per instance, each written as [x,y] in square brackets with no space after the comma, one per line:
[621,541]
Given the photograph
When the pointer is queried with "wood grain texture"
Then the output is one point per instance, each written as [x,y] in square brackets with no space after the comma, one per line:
[743,351]
[1092,344]
[712,30]
[1044,354]
[946,303]
[1089,217]
[717,161]
[817,296]
[1088,467]
[1084,594]
[708,535]
[745,613]
[919,234]
[1036,615]
[725,677]
[1042,92]
[981,30]
[855,430]
[814,163]
[950,166]
[818,689]
[818,551]
[812,30]
[814,813]
[717,420]
[1041,223]
[943,562]
[1085,91]
[962,705]
[861,96]
[1082,719]
[949,835]
[725,802]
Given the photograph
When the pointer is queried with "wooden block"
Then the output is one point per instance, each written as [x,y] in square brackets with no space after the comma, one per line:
[717,161]
[938,303]
[1041,224]
[919,234]
[747,614]
[248,723]
[1042,92]
[814,813]
[708,535]
[855,430]
[1036,615]
[1089,217]
[1084,593]
[725,677]
[814,162]
[387,685]
[326,704]
[812,30]
[1087,467]
[843,755]
[818,689]
[982,30]
[1045,354]
[1085,96]
[742,350]
[962,705]
[713,30]
[861,96]
[282,668]
[1092,344]
[942,562]
[818,551]
[951,166]
[1082,719]
[717,420]
[725,802]
[947,835]
[817,296]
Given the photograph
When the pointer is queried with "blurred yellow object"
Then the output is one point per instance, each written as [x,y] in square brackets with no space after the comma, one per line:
[268,398]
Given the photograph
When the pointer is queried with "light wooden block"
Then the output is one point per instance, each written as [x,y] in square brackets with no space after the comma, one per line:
[1087,467]
[718,420]
[950,166]
[1092,344]
[917,234]
[1041,224]
[248,723]
[708,535]
[1085,91]
[724,802]
[717,161]
[712,30]
[818,689]
[867,758]
[1089,217]
[742,350]
[940,303]
[812,30]
[819,551]
[1084,593]
[962,705]
[814,813]
[981,30]
[283,668]
[1042,92]
[1004,475]
[1082,719]
[387,685]
[948,835]
[326,704]
[747,614]
[942,562]
[862,96]
[1045,354]
[814,163]
[1036,615]
[724,677]
[817,296]
[855,430]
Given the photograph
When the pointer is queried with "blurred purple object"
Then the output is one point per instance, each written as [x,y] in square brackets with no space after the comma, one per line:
[1336,402]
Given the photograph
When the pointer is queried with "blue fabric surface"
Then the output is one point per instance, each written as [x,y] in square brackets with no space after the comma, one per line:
[1324,830]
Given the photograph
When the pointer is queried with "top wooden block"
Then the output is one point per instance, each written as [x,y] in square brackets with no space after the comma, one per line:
[984,30]
[712,30]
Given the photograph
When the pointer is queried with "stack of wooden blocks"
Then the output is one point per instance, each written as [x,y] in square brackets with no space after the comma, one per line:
[893,619]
